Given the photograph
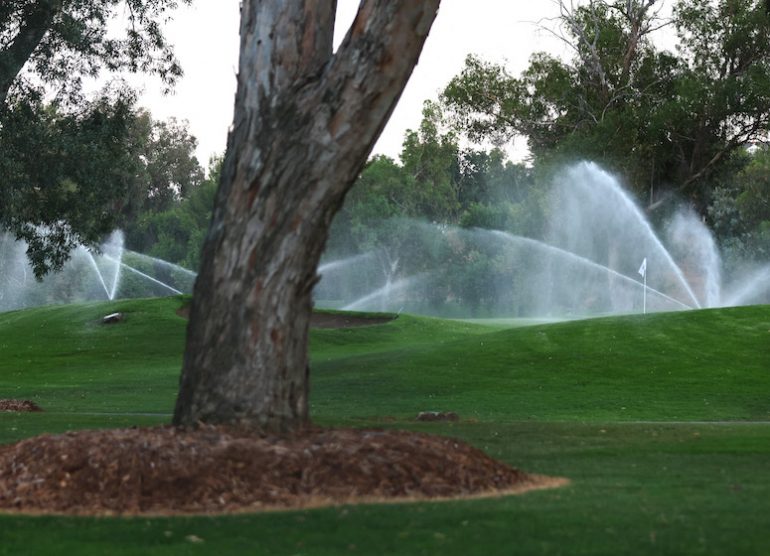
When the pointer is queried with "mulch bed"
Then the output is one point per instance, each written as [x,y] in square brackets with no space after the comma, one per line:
[19,405]
[163,470]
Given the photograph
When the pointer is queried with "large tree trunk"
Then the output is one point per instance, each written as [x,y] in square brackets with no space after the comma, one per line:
[305,122]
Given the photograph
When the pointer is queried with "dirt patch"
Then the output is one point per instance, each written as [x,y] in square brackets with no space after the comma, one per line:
[437,416]
[19,405]
[335,320]
[323,320]
[163,470]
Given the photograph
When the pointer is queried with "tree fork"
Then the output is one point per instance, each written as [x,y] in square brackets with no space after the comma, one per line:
[305,122]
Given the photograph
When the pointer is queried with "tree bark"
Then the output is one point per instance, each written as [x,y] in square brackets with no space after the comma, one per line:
[305,122]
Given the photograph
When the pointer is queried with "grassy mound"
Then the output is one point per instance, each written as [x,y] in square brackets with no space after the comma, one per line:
[695,366]
[704,365]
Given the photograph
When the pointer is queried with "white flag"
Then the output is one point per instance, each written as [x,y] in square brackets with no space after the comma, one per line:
[643,268]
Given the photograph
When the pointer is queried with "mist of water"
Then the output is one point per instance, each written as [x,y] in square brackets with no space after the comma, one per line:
[87,276]
[586,263]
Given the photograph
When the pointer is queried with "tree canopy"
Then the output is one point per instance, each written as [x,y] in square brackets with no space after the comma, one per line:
[63,175]
[657,117]
[59,42]
[66,161]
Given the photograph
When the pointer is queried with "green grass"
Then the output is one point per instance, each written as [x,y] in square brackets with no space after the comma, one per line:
[706,365]
[662,422]
[65,359]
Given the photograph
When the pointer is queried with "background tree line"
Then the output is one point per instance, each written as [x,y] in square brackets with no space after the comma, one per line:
[684,126]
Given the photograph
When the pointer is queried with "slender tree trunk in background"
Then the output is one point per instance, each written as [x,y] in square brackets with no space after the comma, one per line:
[305,122]
[36,19]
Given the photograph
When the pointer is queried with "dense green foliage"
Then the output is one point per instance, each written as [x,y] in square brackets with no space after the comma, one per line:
[740,209]
[67,165]
[677,127]
[63,175]
[437,181]
[668,122]
[175,230]
[672,125]
[62,41]
[599,413]
[168,171]
[105,166]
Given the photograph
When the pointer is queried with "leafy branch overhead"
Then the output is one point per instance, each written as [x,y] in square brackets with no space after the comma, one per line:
[65,166]
[61,41]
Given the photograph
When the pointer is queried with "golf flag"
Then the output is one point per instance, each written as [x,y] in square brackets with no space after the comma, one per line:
[643,268]
[643,272]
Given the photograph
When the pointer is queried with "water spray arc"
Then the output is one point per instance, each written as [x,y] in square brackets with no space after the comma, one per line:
[585,263]
[99,275]
[88,275]
[146,276]
[588,263]
[587,193]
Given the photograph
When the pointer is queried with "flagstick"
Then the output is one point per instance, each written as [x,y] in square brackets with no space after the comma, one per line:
[643,272]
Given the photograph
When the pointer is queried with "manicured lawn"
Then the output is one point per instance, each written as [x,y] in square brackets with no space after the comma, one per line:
[662,422]
[705,365]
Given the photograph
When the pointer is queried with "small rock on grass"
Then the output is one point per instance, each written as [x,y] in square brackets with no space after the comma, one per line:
[112,318]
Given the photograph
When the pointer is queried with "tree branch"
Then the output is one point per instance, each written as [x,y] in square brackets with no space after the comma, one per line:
[34,26]
[383,43]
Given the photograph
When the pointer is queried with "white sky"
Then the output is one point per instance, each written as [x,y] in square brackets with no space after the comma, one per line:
[206,41]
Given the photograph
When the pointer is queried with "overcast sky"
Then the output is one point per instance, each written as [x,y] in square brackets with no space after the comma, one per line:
[206,40]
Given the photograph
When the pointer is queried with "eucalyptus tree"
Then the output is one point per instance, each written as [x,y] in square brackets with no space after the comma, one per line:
[554,97]
[170,170]
[306,118]
[723,85]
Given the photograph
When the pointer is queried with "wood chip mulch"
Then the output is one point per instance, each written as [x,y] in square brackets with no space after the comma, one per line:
[19,405]
[163,470]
